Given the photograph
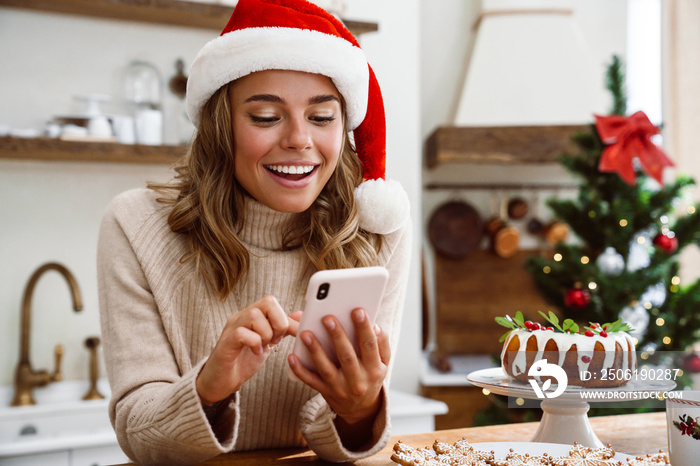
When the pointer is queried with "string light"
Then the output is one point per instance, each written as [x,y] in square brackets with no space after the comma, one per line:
[644,356]
[591,214]
[676,280]
[592,285]
[641,240]
[519,401]
[623,223]
[486,391]
[667,340]
[585,260]
[660,322]
[558,257]
[674,289]
[691,209]
[647,305]
[546,269]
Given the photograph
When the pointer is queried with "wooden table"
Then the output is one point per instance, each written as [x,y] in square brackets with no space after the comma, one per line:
[630,433]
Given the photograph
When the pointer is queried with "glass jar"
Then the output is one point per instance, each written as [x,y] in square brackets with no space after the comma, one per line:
[143,85]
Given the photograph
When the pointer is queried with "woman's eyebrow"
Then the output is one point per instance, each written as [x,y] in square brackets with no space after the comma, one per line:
[319,99]
[265,98]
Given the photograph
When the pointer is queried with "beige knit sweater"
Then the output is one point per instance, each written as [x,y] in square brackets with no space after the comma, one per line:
[160,322]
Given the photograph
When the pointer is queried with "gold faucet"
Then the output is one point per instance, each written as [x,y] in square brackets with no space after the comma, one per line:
[91,344]
[26,378]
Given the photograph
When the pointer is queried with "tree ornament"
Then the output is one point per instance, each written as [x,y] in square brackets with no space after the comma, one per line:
[691,363]
[655,294]
[577,298]
[629,138]
[610,262]
[639,257]
[637,317]
[667,241]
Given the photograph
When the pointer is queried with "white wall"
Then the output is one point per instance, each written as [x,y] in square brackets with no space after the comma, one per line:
[50,211]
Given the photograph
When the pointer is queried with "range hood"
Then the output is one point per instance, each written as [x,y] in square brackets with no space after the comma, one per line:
[529,65]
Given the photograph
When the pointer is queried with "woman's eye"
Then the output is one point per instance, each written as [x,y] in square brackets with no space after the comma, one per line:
[263,120]
[322,119]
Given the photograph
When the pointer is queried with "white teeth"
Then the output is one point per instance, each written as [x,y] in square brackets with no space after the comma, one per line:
[291,169]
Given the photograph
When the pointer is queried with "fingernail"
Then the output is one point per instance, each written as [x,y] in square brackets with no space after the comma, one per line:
[377,330]
[306,339]
[359,315]
[292,360]
[330,325]
[275,340]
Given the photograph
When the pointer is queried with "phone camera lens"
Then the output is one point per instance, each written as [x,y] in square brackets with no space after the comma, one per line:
[322,292]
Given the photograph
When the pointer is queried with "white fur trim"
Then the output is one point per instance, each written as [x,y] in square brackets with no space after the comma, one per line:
[383,205]
[245,51]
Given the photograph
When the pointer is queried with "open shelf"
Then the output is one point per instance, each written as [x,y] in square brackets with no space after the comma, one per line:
[172,12]
[58,150]
[500,144]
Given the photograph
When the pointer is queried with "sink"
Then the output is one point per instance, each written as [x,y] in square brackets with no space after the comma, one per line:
[60,420]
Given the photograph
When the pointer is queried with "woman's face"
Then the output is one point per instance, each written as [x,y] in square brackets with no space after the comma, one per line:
[288,133]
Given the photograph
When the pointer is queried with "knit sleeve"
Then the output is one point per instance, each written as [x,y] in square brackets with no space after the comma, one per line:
[316,417]
[155,410]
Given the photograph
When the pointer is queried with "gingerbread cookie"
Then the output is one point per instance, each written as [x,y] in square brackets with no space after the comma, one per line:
[658,459]
[462,453]
[519,459]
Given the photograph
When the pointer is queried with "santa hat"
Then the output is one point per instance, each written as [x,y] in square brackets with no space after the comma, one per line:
[300,36]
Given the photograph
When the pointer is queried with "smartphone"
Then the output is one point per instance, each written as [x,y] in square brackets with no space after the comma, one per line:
[338,292]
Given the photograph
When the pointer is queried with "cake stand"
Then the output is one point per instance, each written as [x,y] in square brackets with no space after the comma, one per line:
[565,418]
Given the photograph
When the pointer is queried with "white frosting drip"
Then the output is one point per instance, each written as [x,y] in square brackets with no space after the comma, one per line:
[584,347]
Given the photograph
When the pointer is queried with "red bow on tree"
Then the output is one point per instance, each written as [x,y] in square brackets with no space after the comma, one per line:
[627,138]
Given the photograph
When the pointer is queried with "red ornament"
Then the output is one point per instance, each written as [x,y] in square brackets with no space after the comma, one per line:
[666,241]
[577,298]
[691,363]
[627,138]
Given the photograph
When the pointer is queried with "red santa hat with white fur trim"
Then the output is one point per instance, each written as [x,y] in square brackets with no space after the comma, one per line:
[300,36]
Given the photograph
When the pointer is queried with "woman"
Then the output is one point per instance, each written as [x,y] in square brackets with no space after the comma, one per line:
[201,279]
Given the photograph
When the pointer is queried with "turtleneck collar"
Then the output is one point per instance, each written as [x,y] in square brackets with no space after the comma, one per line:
[263,227]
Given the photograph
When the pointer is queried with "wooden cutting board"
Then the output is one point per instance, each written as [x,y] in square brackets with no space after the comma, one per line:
[472,291]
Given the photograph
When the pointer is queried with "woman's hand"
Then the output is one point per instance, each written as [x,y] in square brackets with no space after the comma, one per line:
[352,390]
[244,345]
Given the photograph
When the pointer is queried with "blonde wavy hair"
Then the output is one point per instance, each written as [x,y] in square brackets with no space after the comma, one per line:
[207,207]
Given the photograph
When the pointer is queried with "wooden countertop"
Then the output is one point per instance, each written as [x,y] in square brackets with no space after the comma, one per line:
[630,433]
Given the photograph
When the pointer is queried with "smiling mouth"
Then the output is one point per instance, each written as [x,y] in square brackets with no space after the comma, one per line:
[291,172]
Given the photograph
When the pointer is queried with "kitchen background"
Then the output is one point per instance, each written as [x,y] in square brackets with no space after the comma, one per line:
[50,211]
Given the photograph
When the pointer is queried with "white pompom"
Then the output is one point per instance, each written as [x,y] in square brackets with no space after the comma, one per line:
[383,205]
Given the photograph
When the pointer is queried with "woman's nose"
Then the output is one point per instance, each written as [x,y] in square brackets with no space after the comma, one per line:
[297,135]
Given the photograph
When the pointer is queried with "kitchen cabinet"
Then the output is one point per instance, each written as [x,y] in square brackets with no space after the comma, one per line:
[92,456]
[55,458]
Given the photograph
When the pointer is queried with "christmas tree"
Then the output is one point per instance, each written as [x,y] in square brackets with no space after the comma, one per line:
[629,229]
